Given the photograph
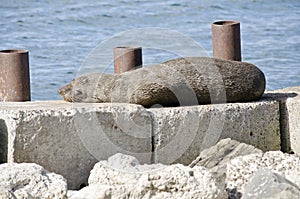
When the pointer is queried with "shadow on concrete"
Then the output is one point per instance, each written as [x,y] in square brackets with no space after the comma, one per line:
[278,96]
[283,118]
[3,142]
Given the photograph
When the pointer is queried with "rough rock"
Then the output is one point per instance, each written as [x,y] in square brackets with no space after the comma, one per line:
[221,153]
[267,184]
[29,180]
[241,169]
[123,177]
[128,166]
[100,191]
[216,158]
[183,81]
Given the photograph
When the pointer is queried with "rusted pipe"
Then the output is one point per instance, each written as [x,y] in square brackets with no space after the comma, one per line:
[127,58]
[226,40]
[14,75]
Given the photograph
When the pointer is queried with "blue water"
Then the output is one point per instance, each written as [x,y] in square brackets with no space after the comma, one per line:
[60,34]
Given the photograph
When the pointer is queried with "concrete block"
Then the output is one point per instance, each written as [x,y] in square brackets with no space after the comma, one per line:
[289,99]
[181,133]
[69,139]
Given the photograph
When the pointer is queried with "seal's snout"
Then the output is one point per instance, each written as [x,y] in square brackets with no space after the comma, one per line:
[61,91]
[65,92]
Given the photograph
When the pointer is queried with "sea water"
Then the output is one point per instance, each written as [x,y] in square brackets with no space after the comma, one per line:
[60,34]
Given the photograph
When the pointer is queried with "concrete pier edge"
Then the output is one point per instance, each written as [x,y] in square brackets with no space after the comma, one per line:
[62,137]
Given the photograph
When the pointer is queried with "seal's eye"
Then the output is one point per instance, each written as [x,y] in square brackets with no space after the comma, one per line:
[84,80]
[78,92]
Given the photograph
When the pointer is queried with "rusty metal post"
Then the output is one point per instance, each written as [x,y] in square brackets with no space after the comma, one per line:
[127,58]
[226,40]
[14,75]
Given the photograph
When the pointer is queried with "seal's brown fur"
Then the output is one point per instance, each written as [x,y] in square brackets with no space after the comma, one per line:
[183,81]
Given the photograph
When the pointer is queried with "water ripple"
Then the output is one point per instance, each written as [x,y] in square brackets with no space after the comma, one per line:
[59,34]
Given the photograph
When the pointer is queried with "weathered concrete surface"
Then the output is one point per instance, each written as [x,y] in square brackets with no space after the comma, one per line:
[183,81]
[69,139]
[289,99]
[181,133]
[122,176]
[29,180]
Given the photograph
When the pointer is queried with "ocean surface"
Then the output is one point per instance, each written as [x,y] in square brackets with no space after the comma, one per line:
[61,34]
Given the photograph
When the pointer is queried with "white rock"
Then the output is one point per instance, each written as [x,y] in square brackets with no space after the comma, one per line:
[100,191]
[221,153]
[29,180]
[216,158]
[123,177]
[119,169]
[241,169]
[177,181]
[267,184]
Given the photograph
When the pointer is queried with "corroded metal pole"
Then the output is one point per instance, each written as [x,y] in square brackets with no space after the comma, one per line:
[226,40]
[14,75]
[127,58]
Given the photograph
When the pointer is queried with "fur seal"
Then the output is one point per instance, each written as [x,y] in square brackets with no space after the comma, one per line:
[182,81]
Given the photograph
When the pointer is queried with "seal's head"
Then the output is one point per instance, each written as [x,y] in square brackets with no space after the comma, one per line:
[66,92]
[81,89]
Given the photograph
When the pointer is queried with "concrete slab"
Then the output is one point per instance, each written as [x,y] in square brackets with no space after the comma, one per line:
[181,133]
[69,139]
[289,99]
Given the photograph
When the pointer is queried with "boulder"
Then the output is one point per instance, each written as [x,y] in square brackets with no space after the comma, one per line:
[267,184]
[221,153]
[123,177]
[100,191]
[241,169]
[216,158]
[120,169]
[29,180]
[182,81]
